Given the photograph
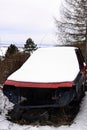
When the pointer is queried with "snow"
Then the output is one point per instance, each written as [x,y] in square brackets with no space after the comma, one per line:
[80,122]
[3,51]
[53,64]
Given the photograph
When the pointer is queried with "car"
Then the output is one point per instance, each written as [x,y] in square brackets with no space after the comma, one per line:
[51,77]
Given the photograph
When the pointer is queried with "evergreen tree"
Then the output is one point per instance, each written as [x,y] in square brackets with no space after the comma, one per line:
[12,49]
[30,46]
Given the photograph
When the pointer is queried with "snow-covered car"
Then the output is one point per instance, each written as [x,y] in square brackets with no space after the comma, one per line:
[51,77]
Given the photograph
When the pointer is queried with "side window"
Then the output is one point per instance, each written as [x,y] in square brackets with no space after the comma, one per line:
[80,58]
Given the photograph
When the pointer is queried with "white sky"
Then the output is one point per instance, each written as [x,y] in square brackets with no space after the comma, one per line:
[21,19]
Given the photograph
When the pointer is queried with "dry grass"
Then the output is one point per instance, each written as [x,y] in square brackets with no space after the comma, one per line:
[11,64]
[42,117]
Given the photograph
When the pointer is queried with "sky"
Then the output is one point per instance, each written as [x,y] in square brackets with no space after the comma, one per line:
[23,19]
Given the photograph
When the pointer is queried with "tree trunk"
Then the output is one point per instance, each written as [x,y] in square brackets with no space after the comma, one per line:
[86,44]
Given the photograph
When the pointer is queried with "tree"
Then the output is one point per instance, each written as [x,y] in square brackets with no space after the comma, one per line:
[30,46]
[72,29]
[12,49]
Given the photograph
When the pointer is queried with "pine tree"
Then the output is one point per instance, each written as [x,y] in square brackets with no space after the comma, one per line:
[30,46]
[12,49]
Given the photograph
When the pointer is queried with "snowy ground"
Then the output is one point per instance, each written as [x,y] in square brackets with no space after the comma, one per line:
[80,122]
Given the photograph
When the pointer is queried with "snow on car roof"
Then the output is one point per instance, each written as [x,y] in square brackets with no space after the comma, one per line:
[54,64]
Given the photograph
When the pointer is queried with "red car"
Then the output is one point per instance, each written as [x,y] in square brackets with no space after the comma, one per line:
[51,77]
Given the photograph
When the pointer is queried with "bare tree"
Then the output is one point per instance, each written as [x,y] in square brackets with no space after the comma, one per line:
[72,28]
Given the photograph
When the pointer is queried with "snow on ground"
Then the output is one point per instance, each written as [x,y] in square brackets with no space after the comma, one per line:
[3,51]
[80,122]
